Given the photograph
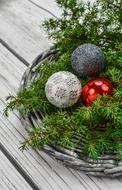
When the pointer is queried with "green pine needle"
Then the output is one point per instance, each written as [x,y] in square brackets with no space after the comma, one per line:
[98,24]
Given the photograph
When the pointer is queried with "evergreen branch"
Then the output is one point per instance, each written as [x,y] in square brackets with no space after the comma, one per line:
[98,128]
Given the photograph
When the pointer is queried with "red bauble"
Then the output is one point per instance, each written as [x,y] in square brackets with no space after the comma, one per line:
[95,87]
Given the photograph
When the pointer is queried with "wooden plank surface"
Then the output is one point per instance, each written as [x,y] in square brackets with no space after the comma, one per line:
[48,5]
[47,175]
[9,177]
[20,30]
[43,170]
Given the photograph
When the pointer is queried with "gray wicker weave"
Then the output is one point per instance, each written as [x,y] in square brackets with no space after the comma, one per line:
[107,165]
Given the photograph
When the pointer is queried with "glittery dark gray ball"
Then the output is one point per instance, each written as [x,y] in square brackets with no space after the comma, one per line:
[87,60]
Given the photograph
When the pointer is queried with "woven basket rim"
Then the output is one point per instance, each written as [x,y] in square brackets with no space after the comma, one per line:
[68,157]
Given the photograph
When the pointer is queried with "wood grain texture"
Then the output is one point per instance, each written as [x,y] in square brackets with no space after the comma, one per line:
[51,6]
[48,5]
[45,172]
[9,177]
[21,29]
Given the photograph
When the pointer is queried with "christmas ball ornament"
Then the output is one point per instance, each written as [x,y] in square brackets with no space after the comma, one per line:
[95,87]
[87,60]
[63,89]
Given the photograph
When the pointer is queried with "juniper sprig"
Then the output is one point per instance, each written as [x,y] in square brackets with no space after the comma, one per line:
[99,127]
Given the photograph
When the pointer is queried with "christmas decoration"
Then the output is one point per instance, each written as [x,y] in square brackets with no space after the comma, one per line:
[79,132]
[95,87]
[87,60]
[63,89]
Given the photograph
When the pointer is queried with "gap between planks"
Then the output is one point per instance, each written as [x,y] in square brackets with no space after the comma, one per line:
[55,172]
[9,87]
[9,176]
[8,46]
[11,135]
[21,28]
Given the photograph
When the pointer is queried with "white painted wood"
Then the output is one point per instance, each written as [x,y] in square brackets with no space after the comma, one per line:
[52,6]
[19,21]
[40,172]
[47,175]
[42,169]
[85,180]
[61,171]
[20,27]
[10,177]
[107,183]
[49,5]
[103,183]
[11,70]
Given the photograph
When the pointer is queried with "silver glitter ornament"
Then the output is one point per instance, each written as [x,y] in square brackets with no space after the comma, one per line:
[87,60]
[63,89]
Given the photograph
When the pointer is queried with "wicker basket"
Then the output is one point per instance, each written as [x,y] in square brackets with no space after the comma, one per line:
[107,165]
